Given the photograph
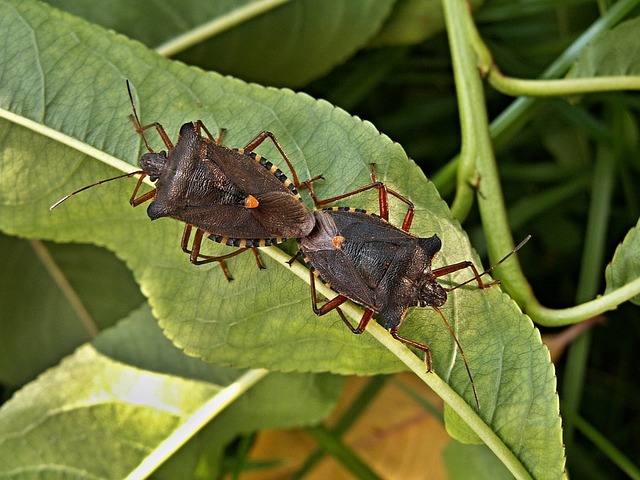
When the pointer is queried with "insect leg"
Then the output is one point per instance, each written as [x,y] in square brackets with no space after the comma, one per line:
[476,276]
[383,201]
[133,201]
[137,126]
[334,304]
[419,346]
[256,254]
[201,126]
[439,272]
[197,258]
[253,144]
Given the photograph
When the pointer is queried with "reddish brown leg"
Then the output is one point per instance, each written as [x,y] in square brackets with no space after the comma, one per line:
[159,128]
[199,259]
[334,304]
[253,144]
[414,344]
[256,254]
[293,259]
[438,272]
[137,126]
[383,201]
[201,126]
[133,201]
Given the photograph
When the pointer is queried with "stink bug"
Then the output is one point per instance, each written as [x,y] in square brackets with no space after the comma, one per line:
[232,196]
[387,270]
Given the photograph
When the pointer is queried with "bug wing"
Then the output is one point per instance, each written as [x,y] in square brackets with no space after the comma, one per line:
[331,264]
[375,248]
[245,170]
[229,221]
[283,215]
[280,212]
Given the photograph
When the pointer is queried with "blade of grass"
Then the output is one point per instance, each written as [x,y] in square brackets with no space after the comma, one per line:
[603,444]
[591,272]
[331,443]
[346,420]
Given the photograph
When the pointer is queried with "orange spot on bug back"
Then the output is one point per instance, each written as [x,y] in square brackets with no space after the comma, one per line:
[337,241]
[251,202]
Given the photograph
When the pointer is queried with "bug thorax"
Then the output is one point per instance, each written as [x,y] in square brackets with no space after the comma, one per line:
[175,173]
[430,292]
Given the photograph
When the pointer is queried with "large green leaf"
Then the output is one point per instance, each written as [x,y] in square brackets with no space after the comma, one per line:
[625,265]
[66,108]
[479,464]
[272,42]
[127,393]
[53,301]
[413,21]
[617,52]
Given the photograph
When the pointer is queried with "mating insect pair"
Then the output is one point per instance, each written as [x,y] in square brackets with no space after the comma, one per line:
[238,198]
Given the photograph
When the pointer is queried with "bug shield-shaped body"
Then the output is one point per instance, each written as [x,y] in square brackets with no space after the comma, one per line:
[228,193]
[373,263]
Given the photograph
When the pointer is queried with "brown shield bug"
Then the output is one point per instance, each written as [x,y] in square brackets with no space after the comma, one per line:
[387,270]
[232,196]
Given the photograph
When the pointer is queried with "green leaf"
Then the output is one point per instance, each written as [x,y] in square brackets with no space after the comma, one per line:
[617,52]
[125,17]
[414,21]
[625,266]
[66,126]
[52,302]
[127,393]
[272,42]
[480,463]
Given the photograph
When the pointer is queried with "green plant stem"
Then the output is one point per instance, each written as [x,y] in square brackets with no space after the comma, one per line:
[552,88]
[477,158]
[547,86]
[522,109]
[215,27]
[518,113]
[550,317]
[490,199]
[476,142]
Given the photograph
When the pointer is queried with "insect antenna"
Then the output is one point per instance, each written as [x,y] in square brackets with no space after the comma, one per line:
[492,267]
[131,174]
[464,357]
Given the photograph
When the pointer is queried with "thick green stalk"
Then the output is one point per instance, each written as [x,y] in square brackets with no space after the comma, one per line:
[477,160]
